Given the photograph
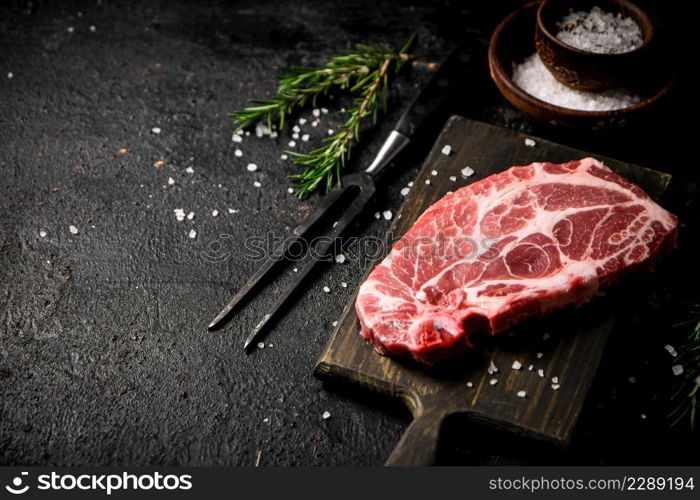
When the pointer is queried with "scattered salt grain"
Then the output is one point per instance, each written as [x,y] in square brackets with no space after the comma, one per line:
[261,345]
[73,229]
[421,295]
[343,284]
[171,181]
[192,234]
[539,355]
[470,384]
[631,380]
[252,167]
[534,78]
[290,190]
[555,387]
[179,214]
[530,368]
[315,123]
[156,130]
[305,137]
[427,182]
[189,170]
[643,416]
[273,135]
[410,184]
[340,258]
[257,184]
[326,415]
[493,381]
[600,32]
[516,365]
[261,129]
[677,369]
[335,323]
[433,173]
[326,289]
[331,131]
[71,29]
[521,394]
[283,157]
[492,368]
[316,112]
[296,129]
[302,121]
[530,143]
[42,234]
[292,144]
[453,178]
[324,111]
[232,210]
[295,269]
[387,214]
[214,213]
[555,380]
[545,336]
[238,153]
[671,350]
[540,372]
[377,215]
[236,138]
[405,191]
[295,136]
[190,216]
[92,28]
[446,150]
[10,75]
[467,171]
[247,133]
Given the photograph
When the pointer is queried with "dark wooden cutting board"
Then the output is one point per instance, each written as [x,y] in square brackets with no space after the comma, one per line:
[567,345]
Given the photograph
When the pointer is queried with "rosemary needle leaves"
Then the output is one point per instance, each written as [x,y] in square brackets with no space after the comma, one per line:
[364,74]
[687,393]
[323,165]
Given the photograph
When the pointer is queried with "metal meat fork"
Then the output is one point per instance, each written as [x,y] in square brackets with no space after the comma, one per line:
[361,183]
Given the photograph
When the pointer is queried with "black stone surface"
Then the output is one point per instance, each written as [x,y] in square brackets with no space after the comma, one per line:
[104,354]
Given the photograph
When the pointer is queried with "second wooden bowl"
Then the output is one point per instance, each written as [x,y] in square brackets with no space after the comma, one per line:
[583,70]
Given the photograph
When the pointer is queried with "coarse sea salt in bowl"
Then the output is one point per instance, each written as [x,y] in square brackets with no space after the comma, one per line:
[526,83]
[594,44]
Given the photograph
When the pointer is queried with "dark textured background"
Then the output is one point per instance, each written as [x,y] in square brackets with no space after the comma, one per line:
[104,354]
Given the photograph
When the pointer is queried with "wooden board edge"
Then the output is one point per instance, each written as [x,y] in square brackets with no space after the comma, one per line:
[326,371]
[604,158]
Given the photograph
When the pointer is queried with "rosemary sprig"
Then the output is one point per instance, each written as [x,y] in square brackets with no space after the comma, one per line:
[687,393]
[364,73]
[325,163]
[297,87]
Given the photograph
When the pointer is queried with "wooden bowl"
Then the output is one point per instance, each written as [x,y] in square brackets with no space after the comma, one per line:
[583,70]
[513,41]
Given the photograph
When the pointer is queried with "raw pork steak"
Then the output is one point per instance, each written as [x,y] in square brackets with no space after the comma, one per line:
[516,244]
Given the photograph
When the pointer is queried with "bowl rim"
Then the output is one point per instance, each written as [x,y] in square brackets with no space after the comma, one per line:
[500,75]
[542,27]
